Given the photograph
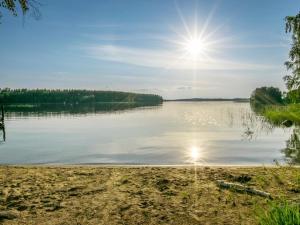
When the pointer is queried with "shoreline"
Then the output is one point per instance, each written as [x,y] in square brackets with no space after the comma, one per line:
[112,165]
[115,194]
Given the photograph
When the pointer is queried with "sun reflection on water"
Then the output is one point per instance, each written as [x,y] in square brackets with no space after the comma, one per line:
[195,153]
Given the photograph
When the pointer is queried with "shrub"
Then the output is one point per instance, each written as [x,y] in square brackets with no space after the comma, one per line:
[266,96]
[293,96]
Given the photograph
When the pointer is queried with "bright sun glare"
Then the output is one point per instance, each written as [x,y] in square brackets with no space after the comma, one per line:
[197,42]
[195,153]
[194,47]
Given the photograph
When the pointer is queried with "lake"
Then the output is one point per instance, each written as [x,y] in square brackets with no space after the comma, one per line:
[204,133]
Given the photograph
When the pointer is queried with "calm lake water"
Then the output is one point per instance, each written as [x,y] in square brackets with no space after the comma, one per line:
[205,133]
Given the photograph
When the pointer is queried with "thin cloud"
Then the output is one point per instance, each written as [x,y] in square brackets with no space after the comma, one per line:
[115,37]
[245,46]
[183,88]
[166,59]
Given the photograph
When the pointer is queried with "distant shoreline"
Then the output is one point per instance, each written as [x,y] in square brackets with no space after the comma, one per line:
[208,100]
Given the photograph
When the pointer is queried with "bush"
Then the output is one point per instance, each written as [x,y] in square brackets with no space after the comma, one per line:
[266,96]
[293,96]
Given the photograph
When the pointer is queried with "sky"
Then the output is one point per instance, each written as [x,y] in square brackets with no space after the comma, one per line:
[174,48]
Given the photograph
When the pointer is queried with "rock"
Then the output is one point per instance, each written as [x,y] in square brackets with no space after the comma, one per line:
[287,123]
[7,215]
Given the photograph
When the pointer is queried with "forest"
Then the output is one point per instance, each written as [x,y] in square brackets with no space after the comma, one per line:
[73,96]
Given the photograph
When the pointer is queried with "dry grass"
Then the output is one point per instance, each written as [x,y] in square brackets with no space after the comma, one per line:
[141,195]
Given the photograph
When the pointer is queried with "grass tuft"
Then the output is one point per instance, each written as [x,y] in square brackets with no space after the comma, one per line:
[280,213]
[278,114]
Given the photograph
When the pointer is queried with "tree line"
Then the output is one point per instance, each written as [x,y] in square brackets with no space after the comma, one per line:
[72,96]
[271,95]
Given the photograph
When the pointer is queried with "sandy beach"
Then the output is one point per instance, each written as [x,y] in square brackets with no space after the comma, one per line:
[139,195]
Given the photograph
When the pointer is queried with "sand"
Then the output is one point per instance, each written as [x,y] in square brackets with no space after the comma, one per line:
[111,195]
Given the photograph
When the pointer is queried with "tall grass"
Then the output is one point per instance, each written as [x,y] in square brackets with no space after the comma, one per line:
[280,213]
[278,114]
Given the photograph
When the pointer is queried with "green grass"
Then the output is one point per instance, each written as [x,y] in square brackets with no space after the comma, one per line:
[283,213]
[278,114]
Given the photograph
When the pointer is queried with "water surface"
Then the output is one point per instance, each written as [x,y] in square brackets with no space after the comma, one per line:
[205,133]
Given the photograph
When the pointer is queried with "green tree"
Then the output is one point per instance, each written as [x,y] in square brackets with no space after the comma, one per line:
[266,96]
[293,65]
[23,6]
[293,96]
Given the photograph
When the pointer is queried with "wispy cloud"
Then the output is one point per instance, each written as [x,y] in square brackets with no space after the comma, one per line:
[183,88]
[127,37]
[166,59]
[246,46]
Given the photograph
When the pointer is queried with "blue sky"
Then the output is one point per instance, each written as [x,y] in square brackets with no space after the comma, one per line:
[139,45]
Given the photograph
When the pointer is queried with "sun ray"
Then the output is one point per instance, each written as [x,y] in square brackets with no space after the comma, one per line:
[197,42]
[208,20]
[187,29]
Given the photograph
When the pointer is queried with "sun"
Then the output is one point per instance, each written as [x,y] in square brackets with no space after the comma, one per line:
[194,47]
[196,40]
